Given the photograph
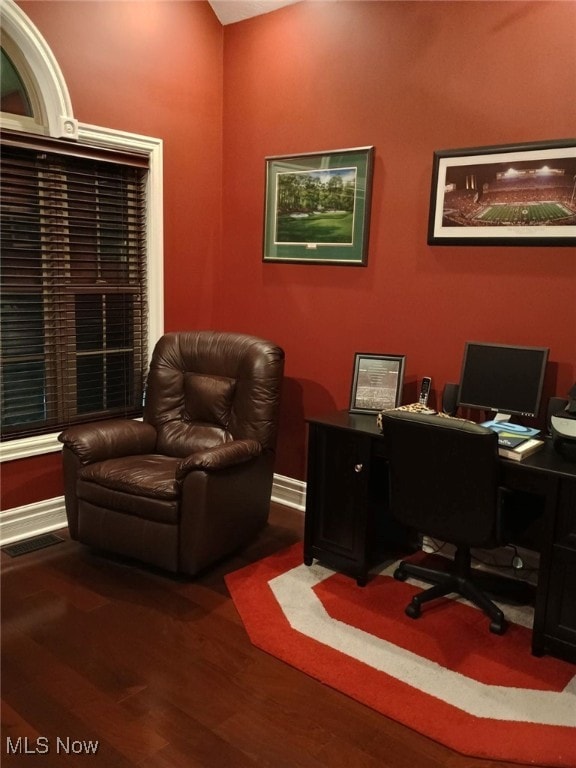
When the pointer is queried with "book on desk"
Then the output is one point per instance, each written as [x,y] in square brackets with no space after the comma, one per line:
[525,448]
[515,441]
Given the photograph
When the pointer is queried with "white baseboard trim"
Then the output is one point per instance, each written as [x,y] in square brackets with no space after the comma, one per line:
[290,492]
[49,515]
[32,520]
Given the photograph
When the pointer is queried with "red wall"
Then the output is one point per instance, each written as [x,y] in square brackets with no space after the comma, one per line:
[406,77]
[155,68]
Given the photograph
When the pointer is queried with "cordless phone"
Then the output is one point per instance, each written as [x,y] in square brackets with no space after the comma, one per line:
[424,391]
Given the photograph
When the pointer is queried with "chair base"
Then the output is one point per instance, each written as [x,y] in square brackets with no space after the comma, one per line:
[468,583]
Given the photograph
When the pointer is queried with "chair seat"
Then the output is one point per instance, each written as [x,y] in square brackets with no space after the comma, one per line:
[140,486]
[152,475]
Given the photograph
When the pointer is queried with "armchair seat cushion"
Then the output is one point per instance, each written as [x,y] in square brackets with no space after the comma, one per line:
[144,486]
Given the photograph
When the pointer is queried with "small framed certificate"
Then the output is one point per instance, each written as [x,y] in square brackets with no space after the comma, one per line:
[376,382]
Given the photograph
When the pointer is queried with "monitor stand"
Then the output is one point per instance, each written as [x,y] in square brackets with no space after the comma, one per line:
[504,417]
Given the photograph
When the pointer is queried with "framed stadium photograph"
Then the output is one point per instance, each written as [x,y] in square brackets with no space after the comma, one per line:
[514,194]
[376,382]
[317,207]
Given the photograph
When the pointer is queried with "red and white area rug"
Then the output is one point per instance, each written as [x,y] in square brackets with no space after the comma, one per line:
[444,675]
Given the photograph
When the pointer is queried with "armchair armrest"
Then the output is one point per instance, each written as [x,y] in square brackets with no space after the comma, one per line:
[109,439]
[220,457]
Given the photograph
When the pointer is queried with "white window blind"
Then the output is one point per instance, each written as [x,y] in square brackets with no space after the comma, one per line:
[72,284]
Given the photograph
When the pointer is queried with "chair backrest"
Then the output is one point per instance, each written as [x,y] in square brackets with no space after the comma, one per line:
[206,388]
[443,477]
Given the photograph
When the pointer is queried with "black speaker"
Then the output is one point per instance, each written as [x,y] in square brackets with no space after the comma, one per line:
[555,404]
[450,399]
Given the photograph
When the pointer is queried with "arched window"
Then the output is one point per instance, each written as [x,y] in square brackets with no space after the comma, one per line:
[39,78]
[94,342]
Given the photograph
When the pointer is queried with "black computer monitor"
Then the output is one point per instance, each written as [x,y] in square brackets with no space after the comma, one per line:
[502,378]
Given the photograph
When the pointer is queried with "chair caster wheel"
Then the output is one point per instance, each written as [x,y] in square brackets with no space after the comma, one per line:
[413,611]
[399,575]
[498,627]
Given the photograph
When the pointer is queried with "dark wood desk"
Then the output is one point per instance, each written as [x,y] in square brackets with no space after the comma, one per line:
[348,527]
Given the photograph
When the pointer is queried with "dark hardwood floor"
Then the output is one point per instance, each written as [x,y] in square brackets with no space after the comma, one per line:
[160,672]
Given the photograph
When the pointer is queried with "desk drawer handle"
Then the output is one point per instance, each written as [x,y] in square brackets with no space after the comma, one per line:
[358,468]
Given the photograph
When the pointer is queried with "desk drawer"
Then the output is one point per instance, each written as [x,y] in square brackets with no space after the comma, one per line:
[520,479]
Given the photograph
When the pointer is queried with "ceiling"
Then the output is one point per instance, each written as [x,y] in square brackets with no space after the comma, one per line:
[230,11]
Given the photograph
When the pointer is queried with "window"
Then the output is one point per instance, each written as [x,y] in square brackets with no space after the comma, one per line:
[52,116]
[73,289]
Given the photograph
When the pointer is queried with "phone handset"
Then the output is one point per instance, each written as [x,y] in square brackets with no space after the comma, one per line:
[424,391]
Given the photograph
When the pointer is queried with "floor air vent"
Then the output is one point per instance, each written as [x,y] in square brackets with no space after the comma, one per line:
[31,545]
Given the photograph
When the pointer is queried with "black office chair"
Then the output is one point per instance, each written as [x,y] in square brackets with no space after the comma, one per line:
[444,482]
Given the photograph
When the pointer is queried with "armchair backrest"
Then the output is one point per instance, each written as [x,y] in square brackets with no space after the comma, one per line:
[206,388]
[443,476]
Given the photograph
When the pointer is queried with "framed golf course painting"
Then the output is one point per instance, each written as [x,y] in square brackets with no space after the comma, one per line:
[317,207]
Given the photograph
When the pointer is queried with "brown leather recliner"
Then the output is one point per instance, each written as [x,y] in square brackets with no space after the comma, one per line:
[192,481]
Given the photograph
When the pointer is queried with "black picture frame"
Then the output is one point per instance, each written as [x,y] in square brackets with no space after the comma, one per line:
[377,382]
[513,194]
[317,207]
